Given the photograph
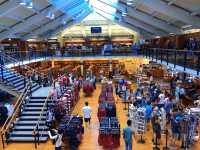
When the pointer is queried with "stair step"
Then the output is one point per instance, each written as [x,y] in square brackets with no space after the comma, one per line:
[32,113]
[33,97]
[36,88]
[31,118]
[7,74]
[19,80]
[37,100]
[34,105]
[10,77]
[19,83]
[26,139]
[40,107]
[29,128]
[34,109]
[29,123]
[14,78]
[19,88]
[27,134]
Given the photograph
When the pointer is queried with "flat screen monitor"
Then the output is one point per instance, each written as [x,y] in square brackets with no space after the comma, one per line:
[96,30]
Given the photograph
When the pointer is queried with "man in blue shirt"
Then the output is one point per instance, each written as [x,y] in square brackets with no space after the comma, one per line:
[127,135]
[148,113]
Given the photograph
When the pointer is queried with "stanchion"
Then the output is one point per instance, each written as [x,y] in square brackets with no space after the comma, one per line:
[35,141]
[166,144]
[141,140]
[2,140]
[156,146]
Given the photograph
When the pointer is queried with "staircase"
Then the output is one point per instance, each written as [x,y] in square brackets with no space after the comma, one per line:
[13,82]
[24,126]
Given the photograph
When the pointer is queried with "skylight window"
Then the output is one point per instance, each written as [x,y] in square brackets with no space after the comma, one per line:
[106,7]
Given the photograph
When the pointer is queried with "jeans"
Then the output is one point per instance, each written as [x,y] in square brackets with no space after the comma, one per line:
[58,148]
[128,146]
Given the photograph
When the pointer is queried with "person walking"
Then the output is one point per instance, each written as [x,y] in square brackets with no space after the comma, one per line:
[87,113]
[128,136]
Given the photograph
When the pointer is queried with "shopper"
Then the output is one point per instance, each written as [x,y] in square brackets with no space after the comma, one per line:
[49,118]
[177,93]
[148,113]
[57,138]
[87,113]
[127,135]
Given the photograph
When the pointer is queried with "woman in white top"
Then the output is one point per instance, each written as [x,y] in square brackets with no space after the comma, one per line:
[57,138]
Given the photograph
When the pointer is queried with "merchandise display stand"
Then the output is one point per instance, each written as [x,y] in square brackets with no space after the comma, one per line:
[141,124]
[133,117]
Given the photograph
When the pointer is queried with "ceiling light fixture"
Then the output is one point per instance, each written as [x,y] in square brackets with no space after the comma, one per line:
[124,14]
[64,22]
[27,3]
[50,15]
[22,2]
[129,2]
[30,5]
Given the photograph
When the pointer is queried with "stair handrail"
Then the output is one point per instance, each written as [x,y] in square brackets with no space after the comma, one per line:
[35,129]
[23,65]
[14,115]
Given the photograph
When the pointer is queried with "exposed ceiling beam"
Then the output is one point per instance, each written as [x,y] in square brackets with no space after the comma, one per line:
[130,26]
[4,27]
[36,19]
[60,28]
[196,12]
[15,17]
[47,26]
[53,24]
[147,35]
[152,21]
[144,17]
[171,11]
[143,26]
[8,7]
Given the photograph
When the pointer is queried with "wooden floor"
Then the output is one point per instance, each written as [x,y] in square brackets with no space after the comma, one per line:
[90,137]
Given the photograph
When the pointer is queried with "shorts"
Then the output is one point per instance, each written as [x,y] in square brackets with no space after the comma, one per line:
[87,120]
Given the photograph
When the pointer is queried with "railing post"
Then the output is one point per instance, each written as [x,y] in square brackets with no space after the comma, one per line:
[35,140]
[38,135]
[175,52]
[156,55]
[2,76]
[145,52]
[152,54]
[149,53]
[198,63]
[161,57]
[185,60]
[3,144]
[167,57]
